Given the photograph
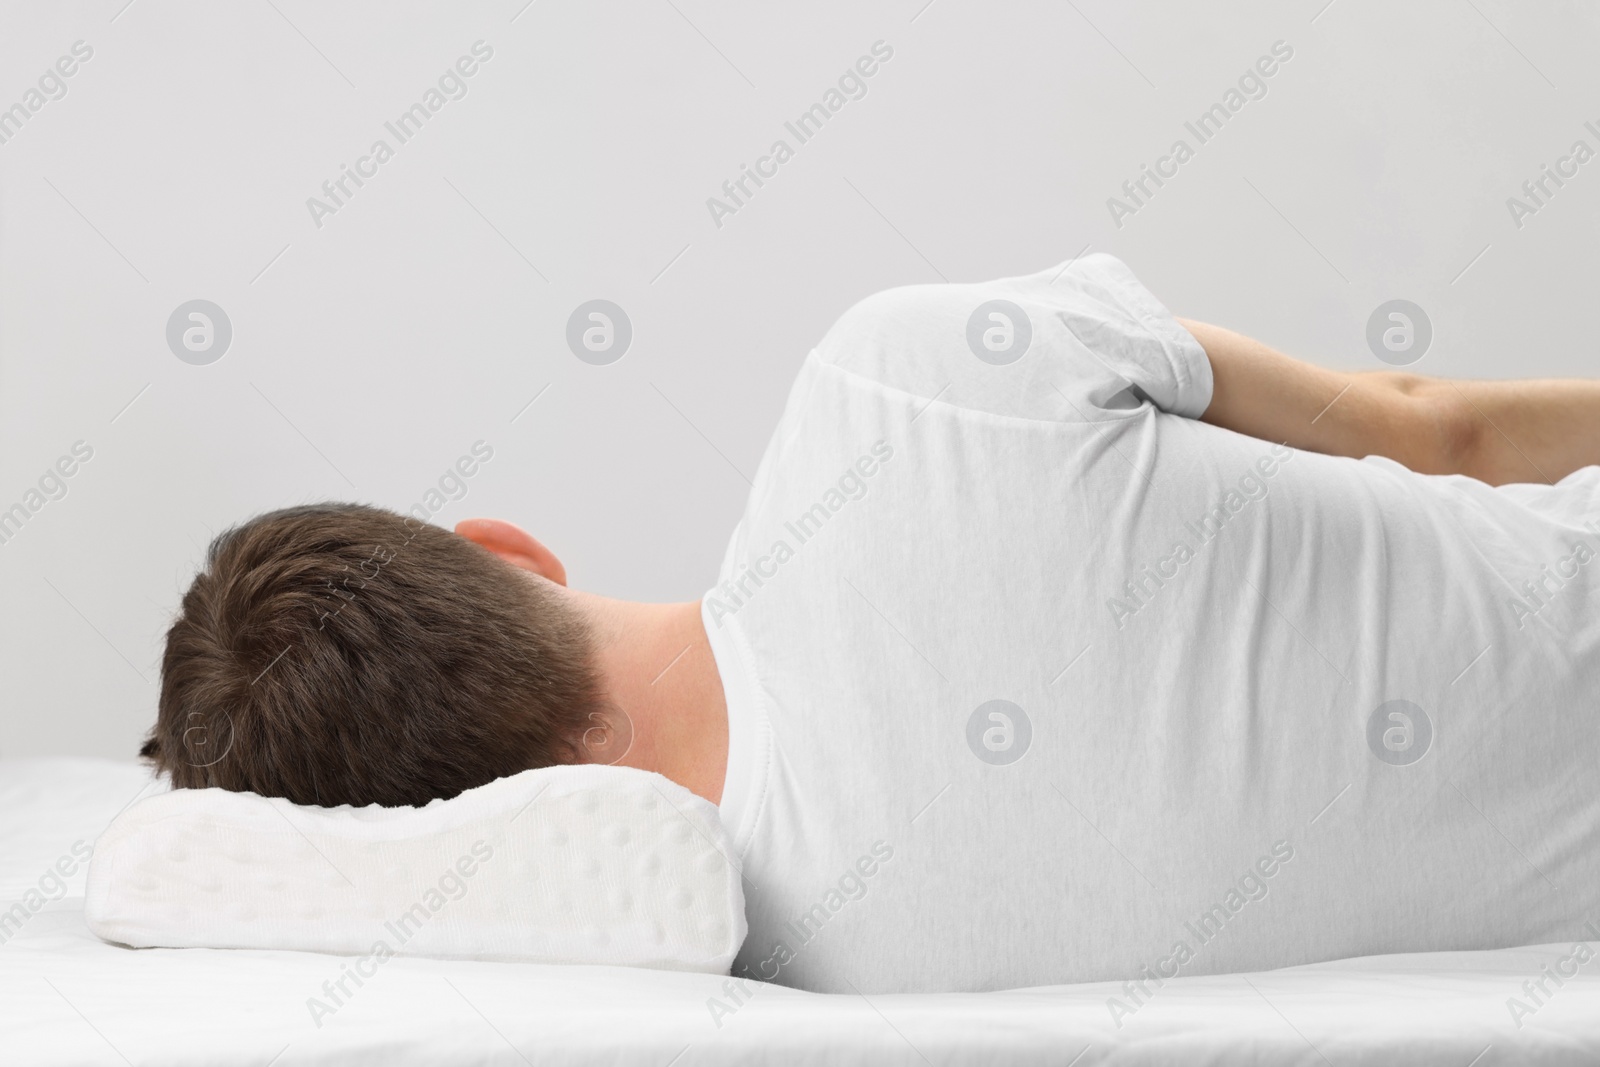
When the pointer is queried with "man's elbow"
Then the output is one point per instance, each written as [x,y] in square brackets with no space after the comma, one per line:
[1440,432]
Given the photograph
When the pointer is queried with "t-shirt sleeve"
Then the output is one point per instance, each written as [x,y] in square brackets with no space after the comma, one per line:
[1080,342]
[1118,324]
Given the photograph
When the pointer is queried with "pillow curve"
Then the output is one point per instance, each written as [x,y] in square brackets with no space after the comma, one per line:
[568,864]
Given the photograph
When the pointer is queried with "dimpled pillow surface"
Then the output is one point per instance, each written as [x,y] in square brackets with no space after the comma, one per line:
[572,864]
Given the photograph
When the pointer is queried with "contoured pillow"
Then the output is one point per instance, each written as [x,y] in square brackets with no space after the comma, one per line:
[569,864]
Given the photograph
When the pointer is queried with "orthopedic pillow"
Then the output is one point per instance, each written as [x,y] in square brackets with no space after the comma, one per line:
[585,864]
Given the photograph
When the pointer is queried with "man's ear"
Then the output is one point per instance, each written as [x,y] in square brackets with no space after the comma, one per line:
[514,545]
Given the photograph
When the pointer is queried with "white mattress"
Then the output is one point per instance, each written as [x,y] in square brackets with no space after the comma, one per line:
[67,998]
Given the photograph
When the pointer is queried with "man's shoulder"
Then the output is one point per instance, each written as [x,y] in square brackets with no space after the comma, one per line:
[891,321]
[963,341]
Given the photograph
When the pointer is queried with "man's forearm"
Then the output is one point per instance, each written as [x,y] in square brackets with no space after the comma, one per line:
[1525,431]
[1499,432]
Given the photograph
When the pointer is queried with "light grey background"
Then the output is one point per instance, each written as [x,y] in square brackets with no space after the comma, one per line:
[370,353]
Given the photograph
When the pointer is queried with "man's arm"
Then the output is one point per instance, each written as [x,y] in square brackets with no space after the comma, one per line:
[1498,432]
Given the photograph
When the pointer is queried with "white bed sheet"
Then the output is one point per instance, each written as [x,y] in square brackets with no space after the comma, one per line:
[67,998]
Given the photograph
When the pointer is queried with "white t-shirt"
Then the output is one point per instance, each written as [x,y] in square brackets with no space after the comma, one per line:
[1197,640]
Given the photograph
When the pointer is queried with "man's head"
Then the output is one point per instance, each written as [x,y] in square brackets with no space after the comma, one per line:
[342,654]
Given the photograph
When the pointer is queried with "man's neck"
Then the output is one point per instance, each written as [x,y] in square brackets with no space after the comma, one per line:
[656,666]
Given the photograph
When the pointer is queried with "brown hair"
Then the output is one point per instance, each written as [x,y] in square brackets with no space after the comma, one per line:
[343,654]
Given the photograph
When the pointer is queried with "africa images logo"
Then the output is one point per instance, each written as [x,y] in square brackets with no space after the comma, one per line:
[199,332]
[1399,732]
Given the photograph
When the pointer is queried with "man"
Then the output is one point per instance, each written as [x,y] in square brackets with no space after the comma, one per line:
[1060,640]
